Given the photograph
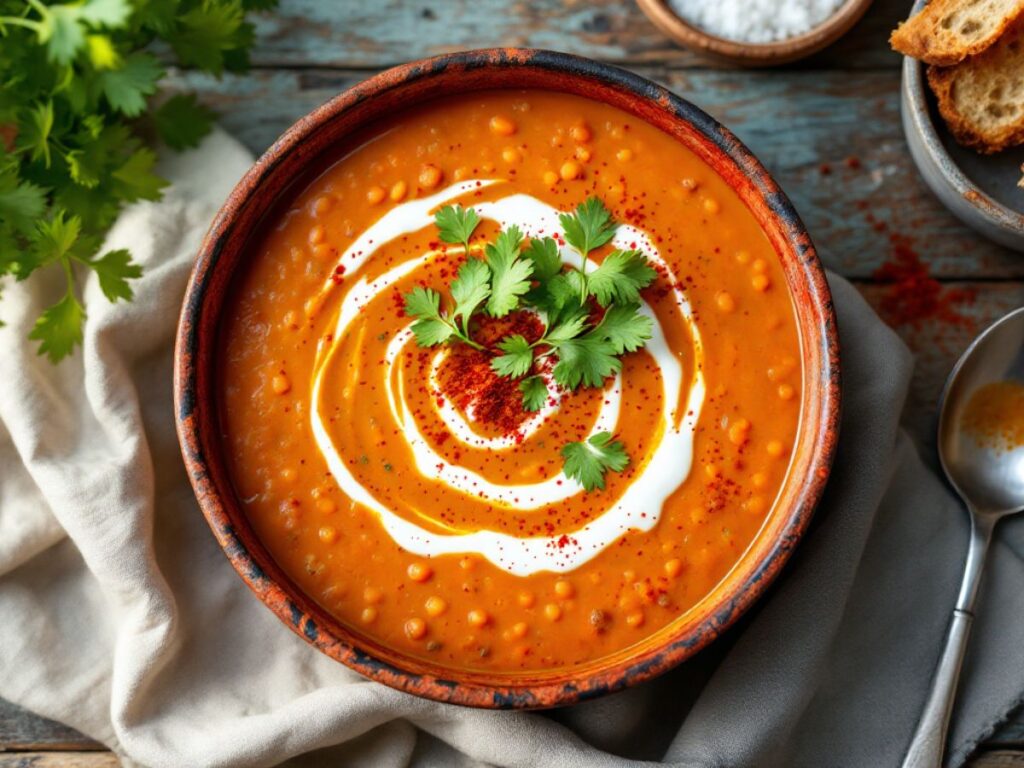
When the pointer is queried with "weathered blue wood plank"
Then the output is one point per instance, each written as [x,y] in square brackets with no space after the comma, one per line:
[357,33]
[808,128]
[22,730]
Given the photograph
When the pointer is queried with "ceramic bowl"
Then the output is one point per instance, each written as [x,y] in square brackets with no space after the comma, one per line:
[771,54]
[224,252]
[980,190]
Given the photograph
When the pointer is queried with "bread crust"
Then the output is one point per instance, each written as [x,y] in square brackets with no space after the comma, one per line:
[966,132]
[924,37]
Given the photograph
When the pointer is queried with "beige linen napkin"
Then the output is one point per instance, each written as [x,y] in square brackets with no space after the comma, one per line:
[120,616]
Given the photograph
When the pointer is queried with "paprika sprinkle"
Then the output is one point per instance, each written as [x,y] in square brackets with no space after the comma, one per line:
[912,296]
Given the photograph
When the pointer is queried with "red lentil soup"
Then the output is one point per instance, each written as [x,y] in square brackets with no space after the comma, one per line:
[405,489]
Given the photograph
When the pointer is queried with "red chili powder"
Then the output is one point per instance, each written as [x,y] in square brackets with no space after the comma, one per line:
[912,296]
[467,379]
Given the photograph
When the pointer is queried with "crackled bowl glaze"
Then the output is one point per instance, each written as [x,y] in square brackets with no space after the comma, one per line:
[224,251]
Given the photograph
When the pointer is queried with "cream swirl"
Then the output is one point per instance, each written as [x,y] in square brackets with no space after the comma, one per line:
[660,472]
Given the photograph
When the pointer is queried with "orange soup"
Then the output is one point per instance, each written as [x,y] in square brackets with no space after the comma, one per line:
[533,452]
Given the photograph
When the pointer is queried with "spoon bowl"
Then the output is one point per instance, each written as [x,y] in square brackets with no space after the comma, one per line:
[989,477]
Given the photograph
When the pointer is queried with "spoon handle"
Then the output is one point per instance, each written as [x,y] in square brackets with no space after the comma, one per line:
[929,742]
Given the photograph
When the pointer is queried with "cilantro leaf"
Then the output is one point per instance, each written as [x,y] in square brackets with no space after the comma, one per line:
[423,302]
[517,358]
[430,328]
[588,461]
[569,326]
[547,262]
[588,227]
[34,131]
[470,289]
[21,202]
[455,224]
[510,275]
[114,269]
[134,180]
[104,13]
[620,277]
[182,121]
[59,329]
[99,148]
[535,393]
[588,360]
[625,328]
[54,240]
[547,266]
[549,296]
[559,297]
[127,87]
[84,167]
[158,15]
[96,206]
[431,331]
[62,28]
[207,32]
[62,33]
[577,284]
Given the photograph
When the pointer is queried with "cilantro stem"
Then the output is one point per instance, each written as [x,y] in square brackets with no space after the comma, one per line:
[65,263]
[463,335]
[16,21]
[464,323]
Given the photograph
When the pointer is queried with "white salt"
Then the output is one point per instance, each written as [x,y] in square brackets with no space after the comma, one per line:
[756,21]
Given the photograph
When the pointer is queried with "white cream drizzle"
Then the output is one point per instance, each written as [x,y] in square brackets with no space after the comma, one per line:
[659,473]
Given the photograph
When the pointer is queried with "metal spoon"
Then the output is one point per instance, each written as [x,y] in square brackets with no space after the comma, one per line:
[990,480]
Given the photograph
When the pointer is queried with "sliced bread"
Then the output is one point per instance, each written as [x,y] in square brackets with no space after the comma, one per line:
[982,99]
[948,31]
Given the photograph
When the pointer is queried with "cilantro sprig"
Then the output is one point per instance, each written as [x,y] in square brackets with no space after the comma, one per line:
[591,319]
[587,461]
[76,124]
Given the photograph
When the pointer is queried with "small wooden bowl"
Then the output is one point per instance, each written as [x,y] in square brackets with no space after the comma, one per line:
[754,54]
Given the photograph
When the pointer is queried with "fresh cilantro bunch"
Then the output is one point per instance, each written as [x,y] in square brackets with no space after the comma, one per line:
[591,318]
[75,129]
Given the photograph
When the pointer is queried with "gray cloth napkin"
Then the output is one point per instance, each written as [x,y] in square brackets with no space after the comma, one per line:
[120,616]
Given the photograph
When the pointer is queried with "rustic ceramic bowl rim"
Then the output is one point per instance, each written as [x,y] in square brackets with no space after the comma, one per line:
[785,51]
[917,117]
[201,447]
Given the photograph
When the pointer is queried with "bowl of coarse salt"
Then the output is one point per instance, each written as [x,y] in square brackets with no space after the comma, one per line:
[757,33]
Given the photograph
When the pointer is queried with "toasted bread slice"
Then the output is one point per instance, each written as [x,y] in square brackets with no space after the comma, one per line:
[982,99]
[948,31]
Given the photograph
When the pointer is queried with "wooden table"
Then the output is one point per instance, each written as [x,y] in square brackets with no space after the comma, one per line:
[827,128]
